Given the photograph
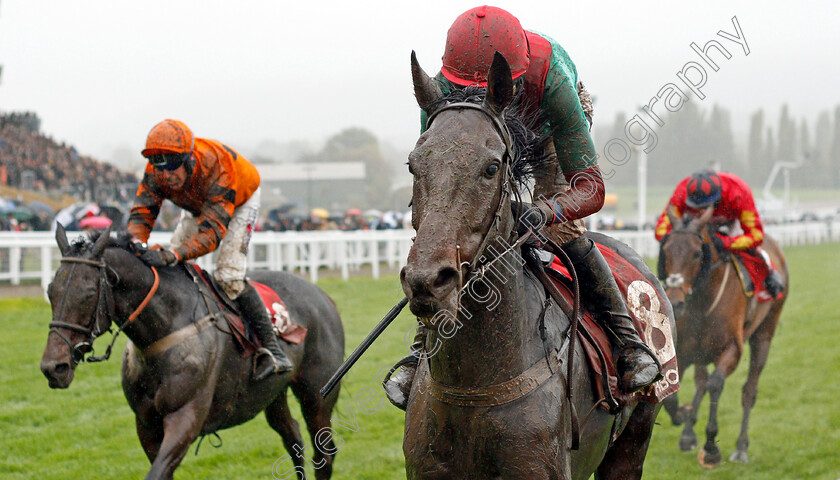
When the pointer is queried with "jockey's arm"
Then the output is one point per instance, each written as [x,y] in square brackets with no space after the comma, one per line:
[144,212]
[212,226]
[575,153]
[663,225]
[751,225]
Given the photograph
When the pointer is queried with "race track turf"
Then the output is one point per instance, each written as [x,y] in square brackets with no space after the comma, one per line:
[87,431]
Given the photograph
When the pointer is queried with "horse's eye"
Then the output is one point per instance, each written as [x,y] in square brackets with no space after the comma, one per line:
[491,169]
[697,254]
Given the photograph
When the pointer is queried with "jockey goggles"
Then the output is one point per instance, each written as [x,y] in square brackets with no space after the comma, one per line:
[168,161]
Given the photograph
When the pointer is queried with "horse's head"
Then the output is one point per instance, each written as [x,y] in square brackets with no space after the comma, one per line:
[77,298]
[687,256]
[462,187]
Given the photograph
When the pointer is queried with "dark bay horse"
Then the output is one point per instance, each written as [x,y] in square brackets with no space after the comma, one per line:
[488,400]
[181,374]
[714,319]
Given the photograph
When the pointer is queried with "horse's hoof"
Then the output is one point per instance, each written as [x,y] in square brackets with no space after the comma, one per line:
[688,442]
[739,456]
[709,459]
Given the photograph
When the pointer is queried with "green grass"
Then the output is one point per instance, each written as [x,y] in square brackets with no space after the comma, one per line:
[88,430]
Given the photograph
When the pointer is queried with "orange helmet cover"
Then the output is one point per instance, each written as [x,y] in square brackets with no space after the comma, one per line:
[169,136]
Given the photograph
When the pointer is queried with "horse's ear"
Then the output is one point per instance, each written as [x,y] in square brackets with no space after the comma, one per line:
[703,219]
[499,85]
[672,216]
[426,90]
[101,243]
[61,239]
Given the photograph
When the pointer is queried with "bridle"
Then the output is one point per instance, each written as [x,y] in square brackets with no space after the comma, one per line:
[677,280]
[102,315]
[537,374]
[479,262]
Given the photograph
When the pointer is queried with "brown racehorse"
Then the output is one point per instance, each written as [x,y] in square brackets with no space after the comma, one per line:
[488,400]
[714,319]
[181,373]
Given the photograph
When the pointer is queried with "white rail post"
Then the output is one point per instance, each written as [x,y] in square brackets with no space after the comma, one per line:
[313,261]
[374,259]
[14,264]
[46,266]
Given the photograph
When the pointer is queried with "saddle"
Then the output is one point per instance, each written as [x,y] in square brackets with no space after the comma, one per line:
[751,272]
[647,308]
[243,337]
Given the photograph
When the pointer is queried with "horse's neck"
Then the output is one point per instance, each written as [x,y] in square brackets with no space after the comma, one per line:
[165,311]
[716,275]
[493,341]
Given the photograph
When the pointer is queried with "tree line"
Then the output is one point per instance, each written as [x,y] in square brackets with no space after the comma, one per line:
[694,138]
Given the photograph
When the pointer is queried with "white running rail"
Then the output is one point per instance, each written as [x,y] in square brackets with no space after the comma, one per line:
[34,255]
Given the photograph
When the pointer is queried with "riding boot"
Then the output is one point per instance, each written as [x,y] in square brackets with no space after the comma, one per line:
[773,281]
[398,387]
[271,358]
[637,366]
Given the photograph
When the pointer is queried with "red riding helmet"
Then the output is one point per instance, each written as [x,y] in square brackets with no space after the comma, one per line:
[168,136]
[475,37]
[703,189]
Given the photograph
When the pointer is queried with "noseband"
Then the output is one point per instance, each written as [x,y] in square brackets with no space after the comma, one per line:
[102,314]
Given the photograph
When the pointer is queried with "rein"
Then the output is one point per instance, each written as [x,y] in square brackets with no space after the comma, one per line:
[103,312]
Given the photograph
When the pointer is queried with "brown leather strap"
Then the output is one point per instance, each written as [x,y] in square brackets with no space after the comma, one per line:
[149,296]
[498,394]
[178,336]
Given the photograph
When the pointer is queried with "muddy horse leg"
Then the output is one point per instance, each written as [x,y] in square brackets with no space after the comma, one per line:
[180,428]
[759,349]
[625,458]
[316,412]
[149,430]
[677,413]
[709,456]
[280,419]
[688,439]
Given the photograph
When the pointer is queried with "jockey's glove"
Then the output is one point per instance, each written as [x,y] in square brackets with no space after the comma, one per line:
[718,242]
[530,216]
[159,258]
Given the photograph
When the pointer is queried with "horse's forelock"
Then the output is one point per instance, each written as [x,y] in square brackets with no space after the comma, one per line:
[527,143]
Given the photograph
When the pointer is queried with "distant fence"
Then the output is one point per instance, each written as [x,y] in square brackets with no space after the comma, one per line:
[34,255]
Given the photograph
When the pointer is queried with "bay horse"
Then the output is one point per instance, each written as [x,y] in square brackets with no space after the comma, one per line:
[198,383]
[714,319]
[476,410]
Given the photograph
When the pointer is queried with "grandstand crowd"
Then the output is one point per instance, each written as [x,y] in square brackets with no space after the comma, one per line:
[32,161]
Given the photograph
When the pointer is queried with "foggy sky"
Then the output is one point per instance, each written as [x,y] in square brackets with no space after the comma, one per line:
[101,73]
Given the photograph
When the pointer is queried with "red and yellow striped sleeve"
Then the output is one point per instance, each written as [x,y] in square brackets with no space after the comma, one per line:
[753,232]
[663,225]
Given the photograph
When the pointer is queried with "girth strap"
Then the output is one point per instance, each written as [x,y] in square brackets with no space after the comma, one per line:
[179,336]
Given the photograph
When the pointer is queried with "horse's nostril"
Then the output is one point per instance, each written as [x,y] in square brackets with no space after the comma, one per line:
[445,277]
[61,369]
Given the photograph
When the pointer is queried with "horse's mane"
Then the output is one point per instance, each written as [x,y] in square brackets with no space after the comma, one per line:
[528,154]
[85,243]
